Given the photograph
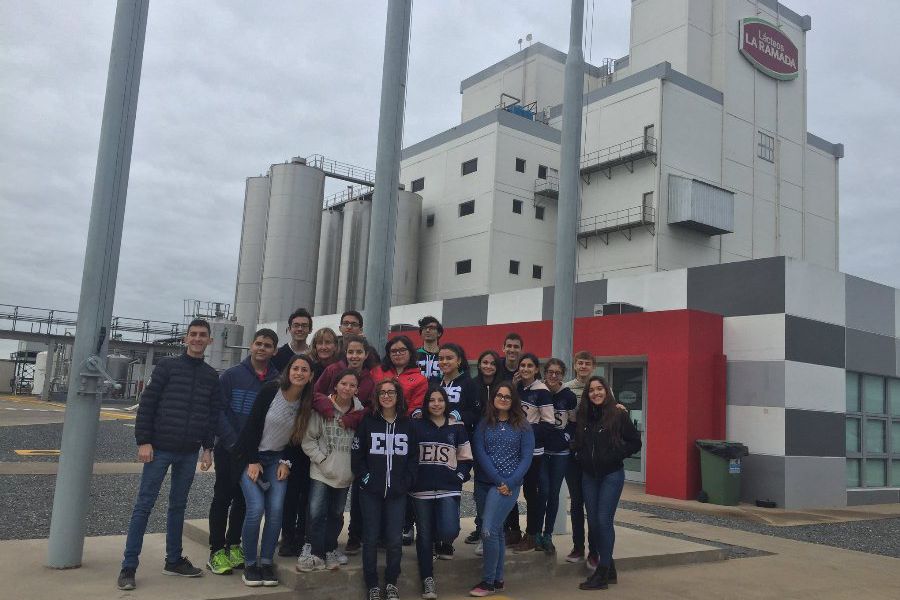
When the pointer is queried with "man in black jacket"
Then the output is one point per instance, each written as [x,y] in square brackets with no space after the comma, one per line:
[178,413]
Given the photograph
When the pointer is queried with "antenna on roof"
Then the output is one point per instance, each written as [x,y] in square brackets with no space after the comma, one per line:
[528,39]
[520,44]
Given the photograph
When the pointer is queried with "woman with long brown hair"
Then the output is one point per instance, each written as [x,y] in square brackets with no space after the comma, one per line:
[503,447]
[268,446]
[604,438]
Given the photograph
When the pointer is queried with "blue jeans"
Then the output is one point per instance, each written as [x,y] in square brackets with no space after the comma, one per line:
[382,518]
[269,502]
[553,470]
[183,464]
[437,520]
[576,506]
[326,516]
[601,497]
[496,507]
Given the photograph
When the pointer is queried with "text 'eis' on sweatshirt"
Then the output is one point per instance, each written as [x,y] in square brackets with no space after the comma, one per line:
[384,456]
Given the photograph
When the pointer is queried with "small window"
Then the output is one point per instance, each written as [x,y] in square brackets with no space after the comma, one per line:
[470,166]
[766,147]
[418,184]
[537,271]
[464,266]
[520,165]
[517,207]
[513,267]
[539,213]
[467,208]
[542,171]
[429,220]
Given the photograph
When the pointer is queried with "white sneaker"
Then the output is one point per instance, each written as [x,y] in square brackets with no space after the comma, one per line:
[305,564]
[479,549]
[429,589]
[331,561]
[341,557]
[307,550]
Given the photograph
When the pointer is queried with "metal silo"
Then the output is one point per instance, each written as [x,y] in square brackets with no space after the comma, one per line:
[406,249]
[250,260]
[292,239]
[354,251]
[329,262]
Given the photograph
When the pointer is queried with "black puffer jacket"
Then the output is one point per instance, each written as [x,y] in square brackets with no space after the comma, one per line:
[180,406]
[595,450]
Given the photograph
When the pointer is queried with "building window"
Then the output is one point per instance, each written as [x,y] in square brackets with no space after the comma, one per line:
[517,206]
[470,166]
[464,266]
[429,220]
[537,271]
[520,165]
[766,147]
[872,431]
[539,213]
[467,208]
[418,184]
[542,171]
[513,267]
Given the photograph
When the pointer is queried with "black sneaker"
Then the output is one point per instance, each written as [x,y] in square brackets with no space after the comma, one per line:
[252,576]
[409,536]
[374,594]
[444,550]
[269,578]
[474,537]
[391,592]
[182,568]
[126,579]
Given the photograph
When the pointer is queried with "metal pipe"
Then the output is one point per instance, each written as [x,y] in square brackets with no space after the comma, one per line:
[569,199]
[383,229]
[98,285]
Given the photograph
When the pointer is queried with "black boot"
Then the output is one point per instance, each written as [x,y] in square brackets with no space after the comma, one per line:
[599,579]
[613,576]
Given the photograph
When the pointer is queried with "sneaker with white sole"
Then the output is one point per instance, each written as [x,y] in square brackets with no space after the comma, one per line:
[479,549]
[341,557]
[306,564]
[374,593]
[182,568]
[429,589]
[391,592]
[331,561]
[269,577]
[306,551]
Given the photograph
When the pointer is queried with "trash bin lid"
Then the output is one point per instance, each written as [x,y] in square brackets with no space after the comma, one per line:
[723,448]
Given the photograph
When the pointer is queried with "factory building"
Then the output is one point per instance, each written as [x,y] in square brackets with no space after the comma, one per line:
[708,210]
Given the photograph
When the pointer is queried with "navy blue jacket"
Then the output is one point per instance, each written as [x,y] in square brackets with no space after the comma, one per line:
[240,386]
[465,399]
[445,458]
[557,440]
[383,455]
[179,409]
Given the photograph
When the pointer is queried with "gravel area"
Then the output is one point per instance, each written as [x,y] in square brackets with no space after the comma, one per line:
[115,441]
[881,536]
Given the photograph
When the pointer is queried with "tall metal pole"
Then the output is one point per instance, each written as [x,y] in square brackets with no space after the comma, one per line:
[568,206]
[569,188]
[383,228]
[98,285]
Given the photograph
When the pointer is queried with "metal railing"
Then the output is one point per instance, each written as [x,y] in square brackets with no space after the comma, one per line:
[346,195]
[342,170]
[644,145]
[616,220]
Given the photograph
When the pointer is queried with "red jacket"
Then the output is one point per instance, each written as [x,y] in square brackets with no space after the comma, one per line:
[412,382]
[325,384]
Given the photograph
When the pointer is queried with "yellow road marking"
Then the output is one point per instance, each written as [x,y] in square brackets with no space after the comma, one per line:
[37,452]
[122,416]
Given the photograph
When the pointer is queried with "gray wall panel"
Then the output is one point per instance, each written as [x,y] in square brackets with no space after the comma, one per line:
[755,383]
[547,306]
[871,353]
[812,481]
[870,306]
[860,497]
[762,478]
[740,288]
[587,294]
[813,342]
[465,312]
[814,433]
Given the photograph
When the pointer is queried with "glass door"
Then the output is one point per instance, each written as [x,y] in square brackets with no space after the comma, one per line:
[628,383]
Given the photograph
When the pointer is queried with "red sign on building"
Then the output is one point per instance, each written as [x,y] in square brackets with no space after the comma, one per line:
[769,49]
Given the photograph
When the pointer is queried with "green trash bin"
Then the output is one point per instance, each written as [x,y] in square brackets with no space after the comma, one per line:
[720,471]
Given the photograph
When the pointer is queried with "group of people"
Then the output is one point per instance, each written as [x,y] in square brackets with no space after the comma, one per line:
[294,430]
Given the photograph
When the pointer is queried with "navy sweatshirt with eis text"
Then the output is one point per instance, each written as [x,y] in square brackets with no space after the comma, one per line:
[384,455]
[445,458]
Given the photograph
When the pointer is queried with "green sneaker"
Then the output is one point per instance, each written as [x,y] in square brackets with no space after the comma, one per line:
[219,563]
[236,557]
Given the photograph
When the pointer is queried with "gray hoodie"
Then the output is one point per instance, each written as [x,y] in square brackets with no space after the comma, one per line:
[328,446]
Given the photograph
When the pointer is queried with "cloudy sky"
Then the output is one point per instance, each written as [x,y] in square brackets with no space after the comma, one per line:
[229,87]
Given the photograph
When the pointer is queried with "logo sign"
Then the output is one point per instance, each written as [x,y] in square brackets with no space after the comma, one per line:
[768,49]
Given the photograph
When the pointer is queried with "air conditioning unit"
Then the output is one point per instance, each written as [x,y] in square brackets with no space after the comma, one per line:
[615,308]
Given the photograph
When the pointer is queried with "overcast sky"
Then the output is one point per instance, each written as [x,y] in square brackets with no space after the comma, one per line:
[229,87]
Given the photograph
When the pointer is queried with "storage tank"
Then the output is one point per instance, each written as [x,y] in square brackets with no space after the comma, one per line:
[329,261]
[225,351]
[406,249]
[292,240]
[354,252]
[40,372]
[117,367]
[250,260]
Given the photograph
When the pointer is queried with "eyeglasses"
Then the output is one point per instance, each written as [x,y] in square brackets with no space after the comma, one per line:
[505,397]
[302,326]
[387,394]
[399,351]
[553,373]
[350,324]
